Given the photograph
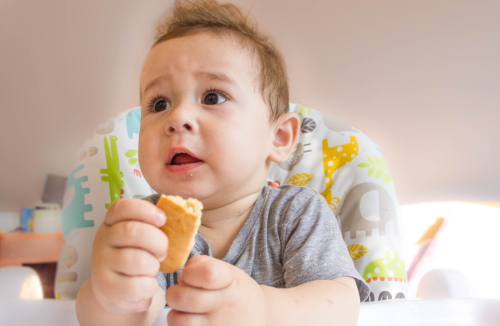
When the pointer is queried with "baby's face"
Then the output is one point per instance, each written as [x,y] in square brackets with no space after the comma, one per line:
[205,130]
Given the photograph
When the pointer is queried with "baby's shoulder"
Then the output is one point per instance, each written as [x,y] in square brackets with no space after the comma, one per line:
[290,201]
[291,193]
[295,212]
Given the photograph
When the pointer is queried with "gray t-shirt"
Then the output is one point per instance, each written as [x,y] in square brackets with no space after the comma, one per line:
[291,237]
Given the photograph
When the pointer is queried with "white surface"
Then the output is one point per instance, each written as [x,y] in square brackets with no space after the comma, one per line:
[450,312]
[38,313]
[467,242]
[19,283]
[445,312]
[445,283]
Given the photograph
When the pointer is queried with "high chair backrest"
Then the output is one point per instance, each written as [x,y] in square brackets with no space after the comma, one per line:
[332,157]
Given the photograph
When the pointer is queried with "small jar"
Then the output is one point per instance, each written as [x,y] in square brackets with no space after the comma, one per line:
[46,218]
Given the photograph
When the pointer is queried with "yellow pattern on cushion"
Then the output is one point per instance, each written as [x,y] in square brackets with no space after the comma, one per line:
[333,159]
[300,179]
[357,251]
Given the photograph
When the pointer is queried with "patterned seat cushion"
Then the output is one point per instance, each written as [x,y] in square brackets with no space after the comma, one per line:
[331,157]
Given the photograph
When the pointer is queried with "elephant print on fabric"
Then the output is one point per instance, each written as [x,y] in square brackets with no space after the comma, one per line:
[367,206]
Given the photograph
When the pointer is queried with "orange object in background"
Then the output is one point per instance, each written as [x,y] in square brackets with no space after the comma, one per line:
[37,250]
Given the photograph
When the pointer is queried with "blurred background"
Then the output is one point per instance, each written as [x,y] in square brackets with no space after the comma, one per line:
[421,78]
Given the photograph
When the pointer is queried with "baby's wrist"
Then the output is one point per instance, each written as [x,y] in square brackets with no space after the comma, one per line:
[90,311]
[268,293]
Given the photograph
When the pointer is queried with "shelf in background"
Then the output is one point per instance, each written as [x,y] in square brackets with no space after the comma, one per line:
[39,251]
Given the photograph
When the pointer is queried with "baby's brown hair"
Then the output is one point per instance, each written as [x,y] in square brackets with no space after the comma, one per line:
[190,17]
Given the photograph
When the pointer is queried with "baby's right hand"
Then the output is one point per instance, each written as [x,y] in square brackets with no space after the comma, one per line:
[128,248]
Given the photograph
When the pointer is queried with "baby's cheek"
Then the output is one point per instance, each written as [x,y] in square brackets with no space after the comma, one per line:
[150,164]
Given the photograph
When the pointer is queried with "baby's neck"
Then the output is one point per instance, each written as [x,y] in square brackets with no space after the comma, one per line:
[229,213]
[220,226]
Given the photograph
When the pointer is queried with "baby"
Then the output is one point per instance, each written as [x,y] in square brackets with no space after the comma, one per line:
[214,99]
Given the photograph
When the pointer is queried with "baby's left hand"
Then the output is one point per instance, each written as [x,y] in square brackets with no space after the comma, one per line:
[212,292]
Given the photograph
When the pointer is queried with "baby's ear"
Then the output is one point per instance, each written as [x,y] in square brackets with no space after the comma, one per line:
[286,134]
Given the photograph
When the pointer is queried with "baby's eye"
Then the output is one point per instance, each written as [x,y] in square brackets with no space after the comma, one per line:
[214,97]
[159,104]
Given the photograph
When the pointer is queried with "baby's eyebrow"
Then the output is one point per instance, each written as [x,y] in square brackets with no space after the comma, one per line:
[156,81]
[215,76]
[199,74]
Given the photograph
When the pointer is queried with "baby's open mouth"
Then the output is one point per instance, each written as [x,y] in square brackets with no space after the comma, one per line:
[183,158]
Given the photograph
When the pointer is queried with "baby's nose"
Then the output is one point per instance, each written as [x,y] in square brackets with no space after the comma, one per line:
[185,126]
[182,119]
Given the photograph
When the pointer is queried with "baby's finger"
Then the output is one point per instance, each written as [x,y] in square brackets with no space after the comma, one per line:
[178,318]
[133,234]
[207,273]
[133,262]
[131,209]
[192,300]
[198,259]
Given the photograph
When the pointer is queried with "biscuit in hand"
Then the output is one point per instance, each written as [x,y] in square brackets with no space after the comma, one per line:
[183,221]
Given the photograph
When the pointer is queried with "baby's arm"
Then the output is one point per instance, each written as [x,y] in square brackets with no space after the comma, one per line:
[213,292]
[334,302]
[128,247]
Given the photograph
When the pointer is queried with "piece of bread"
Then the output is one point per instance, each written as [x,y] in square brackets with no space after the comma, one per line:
[183,220]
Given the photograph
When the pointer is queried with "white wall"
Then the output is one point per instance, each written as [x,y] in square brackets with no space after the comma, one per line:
[420,77]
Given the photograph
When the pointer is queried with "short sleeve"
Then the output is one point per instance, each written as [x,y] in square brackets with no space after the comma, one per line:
[314,248]
[162,281]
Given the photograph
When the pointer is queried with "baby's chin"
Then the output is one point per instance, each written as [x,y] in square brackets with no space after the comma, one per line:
[210,196]
[186,190]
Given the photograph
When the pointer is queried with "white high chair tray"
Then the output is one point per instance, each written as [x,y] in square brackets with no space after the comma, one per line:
[443,312]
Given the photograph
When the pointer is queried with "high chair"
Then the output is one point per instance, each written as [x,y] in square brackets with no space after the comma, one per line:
[331,157]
